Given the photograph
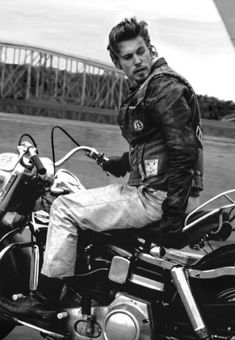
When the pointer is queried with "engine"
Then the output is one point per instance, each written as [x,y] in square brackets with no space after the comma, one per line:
[126,318]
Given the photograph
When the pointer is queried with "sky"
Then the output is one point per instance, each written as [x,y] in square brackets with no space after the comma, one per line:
[190,34]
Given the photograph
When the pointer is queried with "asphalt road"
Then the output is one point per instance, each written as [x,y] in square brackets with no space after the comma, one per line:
[219,158]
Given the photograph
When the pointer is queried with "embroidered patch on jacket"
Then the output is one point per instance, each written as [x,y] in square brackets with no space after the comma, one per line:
[199,133]
[138,125]
[151,167]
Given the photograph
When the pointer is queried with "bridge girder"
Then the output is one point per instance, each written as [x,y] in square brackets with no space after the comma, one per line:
[32,73]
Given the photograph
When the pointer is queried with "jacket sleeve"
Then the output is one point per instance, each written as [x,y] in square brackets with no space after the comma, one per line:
[126,161]
[168,100]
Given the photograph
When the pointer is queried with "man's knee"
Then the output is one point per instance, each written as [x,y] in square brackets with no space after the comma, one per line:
[59,204]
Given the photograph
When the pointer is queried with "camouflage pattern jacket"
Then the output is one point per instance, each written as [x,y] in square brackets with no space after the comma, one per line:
[161,122]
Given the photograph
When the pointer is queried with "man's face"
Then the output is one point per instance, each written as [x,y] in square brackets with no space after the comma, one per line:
[135,59]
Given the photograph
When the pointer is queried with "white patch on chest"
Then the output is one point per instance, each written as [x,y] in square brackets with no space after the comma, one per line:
[151,167]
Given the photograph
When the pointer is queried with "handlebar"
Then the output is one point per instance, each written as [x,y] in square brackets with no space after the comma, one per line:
[38,164]
[90,152]
[26,149]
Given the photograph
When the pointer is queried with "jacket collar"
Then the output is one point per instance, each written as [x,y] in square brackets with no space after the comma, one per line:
[158,63]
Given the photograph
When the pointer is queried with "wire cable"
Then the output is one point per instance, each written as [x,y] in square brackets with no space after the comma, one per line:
[52,141]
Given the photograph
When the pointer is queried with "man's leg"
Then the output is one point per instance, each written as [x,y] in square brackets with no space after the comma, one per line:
[101,209]
[111,207]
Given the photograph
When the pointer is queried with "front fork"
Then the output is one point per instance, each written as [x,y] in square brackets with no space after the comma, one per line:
[182,285]
[34,258]
[34,268]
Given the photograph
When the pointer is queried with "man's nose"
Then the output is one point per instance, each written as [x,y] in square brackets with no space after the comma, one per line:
[137,60]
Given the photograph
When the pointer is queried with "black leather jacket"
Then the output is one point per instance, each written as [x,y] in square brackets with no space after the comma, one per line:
[161,122]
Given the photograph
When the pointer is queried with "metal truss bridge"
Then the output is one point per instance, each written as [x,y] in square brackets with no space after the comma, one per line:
[42,82]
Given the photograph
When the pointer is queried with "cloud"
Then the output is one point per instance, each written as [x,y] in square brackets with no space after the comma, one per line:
[189,33]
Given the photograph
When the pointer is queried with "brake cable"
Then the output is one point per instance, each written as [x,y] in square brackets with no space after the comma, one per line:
[52,142]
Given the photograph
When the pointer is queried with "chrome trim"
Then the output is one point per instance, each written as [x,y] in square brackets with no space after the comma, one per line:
[73,151]
[211,273]
[160,262]
[212,212]
[34,268]
[10,233]
[177,256]
[6,249]
[122,312]
[180,280]
[148,283]
[119,269]
[11,246]
[42,330]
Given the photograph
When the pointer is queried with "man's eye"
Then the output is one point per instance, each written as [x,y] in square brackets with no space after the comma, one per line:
[127,56]
[141,51]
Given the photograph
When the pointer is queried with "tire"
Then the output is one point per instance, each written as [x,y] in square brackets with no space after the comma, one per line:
[226,296]
[6,326]
[14,271]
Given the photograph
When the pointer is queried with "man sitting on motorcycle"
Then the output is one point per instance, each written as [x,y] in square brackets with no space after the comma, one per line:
[160,119]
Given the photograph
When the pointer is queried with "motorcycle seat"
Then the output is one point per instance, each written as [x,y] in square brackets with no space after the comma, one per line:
[215,227]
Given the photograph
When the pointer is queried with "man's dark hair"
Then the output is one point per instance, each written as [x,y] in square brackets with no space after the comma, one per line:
[126,30]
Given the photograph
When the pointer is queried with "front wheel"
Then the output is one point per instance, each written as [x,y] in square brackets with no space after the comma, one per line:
[6,326]
[14,275]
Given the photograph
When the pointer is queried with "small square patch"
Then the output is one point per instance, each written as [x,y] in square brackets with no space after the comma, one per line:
[151,167]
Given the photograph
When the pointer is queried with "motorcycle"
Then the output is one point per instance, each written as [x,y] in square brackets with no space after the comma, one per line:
[125,286]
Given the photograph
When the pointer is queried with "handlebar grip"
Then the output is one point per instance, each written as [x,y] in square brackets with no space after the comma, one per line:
[38,164]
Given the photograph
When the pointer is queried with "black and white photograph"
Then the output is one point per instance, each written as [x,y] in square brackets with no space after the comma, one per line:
[117,168]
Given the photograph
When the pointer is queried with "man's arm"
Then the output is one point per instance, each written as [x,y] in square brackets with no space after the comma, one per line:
[167,99]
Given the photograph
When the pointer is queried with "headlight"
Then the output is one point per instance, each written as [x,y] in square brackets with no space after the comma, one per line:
[8,160]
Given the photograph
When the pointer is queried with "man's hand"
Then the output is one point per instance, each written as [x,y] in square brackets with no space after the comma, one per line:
[117,166]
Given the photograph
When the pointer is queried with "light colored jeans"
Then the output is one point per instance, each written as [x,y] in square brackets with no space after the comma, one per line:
[115,206]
